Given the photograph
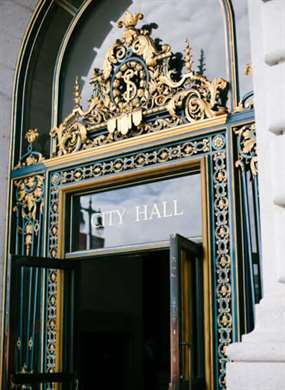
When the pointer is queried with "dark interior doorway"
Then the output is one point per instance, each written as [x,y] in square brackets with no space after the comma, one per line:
[124,327]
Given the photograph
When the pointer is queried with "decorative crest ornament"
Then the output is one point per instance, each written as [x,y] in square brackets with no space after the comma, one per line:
[138,91]
[31,157]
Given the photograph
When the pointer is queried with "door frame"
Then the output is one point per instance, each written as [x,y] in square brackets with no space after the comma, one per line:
[139,175]
[186,280]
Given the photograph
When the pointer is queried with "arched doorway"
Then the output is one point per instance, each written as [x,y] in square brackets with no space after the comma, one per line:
[178,124]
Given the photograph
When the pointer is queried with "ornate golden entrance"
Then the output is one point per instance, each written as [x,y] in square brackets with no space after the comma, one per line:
[155,153]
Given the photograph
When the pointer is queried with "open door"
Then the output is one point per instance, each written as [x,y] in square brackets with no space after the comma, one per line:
[186,315]
[34,328]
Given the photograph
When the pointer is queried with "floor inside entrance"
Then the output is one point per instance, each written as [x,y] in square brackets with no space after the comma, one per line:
[124,323]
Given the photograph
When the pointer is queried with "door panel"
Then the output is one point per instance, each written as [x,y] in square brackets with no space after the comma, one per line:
[32,328]
[186,314]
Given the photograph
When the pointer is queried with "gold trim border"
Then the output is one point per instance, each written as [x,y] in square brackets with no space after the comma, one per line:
[72,158]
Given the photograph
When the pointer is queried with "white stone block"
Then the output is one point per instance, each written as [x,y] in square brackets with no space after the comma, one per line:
[275,100]
[255,376]
[277,151]
[14,18]
[279,221]
[9,50]
[258,351]
[6,81]
[273,18]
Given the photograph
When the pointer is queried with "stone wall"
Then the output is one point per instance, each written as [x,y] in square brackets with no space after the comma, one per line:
[15,16]
[258,362]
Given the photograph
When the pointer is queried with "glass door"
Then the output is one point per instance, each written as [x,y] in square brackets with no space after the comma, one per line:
[186,315]
[35,327]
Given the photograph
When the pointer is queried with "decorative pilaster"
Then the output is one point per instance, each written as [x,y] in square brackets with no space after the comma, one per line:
[29,201]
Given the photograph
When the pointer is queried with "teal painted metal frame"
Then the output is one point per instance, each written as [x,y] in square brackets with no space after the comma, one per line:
[217,160]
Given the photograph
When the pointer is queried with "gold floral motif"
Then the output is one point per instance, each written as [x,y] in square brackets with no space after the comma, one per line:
[32,135]
[138,91]
[31,157]
[219,142]
[29,204]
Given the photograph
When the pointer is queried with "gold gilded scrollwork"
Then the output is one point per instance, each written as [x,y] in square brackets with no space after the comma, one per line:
[29,199]
[70,138]
[138,89]
[247,148]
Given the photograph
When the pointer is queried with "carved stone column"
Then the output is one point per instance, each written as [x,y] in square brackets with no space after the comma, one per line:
[258,362]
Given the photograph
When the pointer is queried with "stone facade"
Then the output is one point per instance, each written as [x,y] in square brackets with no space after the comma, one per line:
[258,362]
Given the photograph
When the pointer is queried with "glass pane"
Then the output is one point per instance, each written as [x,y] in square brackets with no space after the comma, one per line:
[243,45]
[133,215]
[202,22]
[76,3]
[38,91]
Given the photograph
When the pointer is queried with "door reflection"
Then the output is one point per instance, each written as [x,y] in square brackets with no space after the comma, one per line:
[137,214]
[88,217]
